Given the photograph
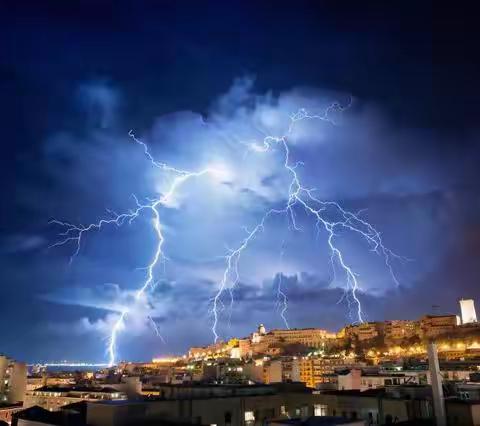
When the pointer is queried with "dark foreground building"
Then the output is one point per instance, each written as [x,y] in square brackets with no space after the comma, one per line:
[285,404]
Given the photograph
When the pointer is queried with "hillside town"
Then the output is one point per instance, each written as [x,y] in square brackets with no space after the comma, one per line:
[371,373]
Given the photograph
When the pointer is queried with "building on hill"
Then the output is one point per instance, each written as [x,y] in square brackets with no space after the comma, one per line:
[260,342]
[309,337]
[364,331]
[243,349]
[215,350]
[432,326]
[397,330]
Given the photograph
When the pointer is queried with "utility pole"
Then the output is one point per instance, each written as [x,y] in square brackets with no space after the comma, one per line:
[437,389]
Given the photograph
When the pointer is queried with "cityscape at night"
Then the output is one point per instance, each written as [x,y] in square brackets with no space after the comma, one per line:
[239,214]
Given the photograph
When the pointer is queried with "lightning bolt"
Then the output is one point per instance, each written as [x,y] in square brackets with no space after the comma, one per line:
[282,300]
[75,233]
[299,196]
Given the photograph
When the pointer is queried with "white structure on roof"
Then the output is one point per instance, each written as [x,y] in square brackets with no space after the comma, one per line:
[467,309]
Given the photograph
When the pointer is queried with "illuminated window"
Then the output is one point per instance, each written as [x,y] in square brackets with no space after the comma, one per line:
[320,409]
[249,416]
[283,410]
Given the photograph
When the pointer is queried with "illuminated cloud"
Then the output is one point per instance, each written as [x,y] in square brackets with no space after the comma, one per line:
[209,215]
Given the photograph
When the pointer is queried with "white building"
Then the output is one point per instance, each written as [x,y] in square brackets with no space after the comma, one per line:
[467,309]
[358,379]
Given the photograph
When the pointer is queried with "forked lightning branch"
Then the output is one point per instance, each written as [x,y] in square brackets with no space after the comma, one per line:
[297,197]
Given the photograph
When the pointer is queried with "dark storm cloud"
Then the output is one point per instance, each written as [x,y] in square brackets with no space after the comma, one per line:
[401,194]
[406,159]
[22,243]
[100,103]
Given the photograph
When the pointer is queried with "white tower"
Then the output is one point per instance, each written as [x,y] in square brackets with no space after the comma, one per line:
[467,309]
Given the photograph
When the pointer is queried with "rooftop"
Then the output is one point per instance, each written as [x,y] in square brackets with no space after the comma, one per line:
[355,392]
[199,385]
[8,406]
[317,421]
[117,402]
[65,389]
[58,418]
[383,374]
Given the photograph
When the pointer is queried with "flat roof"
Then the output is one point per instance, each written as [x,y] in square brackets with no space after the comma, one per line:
[316,420]
[356,392]
[9,406]
[97,389]
[213,385]
[122,401]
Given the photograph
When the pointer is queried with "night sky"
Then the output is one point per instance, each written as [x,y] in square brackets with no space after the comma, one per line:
[196,81]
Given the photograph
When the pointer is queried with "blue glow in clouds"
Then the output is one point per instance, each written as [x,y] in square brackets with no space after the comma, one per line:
[327,215]
[301,197]
[75,233]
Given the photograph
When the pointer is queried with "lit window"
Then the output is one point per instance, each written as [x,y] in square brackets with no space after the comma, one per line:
[249,416]
[320,410]
[283,410]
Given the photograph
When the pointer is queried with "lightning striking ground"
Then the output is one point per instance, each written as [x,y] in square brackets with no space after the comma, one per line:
[75,233]
[300,196]
[282,299]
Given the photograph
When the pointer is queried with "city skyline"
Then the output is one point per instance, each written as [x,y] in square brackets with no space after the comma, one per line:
[393,332]
[207,100]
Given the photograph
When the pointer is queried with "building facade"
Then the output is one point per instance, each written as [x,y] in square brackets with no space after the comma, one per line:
[54,397]
[309,337]
[364,331]
[396,330]
[435,325]
[13,380]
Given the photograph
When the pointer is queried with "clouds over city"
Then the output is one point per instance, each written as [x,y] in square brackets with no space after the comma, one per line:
[358,158]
